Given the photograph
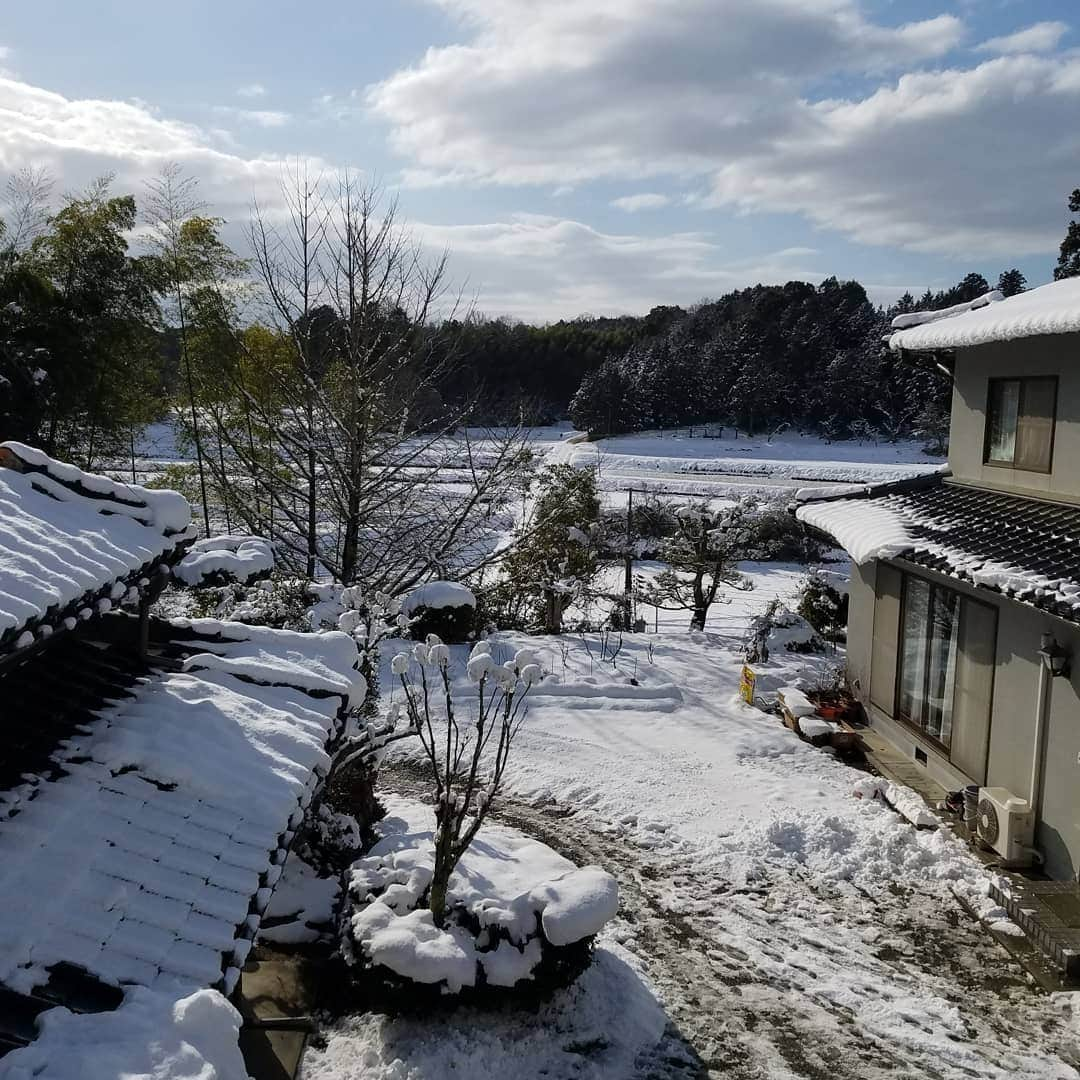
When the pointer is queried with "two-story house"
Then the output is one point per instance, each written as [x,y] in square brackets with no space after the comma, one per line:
[964,624]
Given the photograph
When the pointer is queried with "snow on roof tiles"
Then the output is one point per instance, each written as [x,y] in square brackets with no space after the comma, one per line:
[65,533]
[1027,549]
[1049,309]
[167,822]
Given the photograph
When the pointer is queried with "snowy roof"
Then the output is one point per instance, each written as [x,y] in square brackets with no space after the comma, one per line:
[145,849]
[1027,549]
[67,537]
[1049,309]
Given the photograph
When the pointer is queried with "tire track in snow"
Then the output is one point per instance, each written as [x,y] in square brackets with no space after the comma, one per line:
[788,976]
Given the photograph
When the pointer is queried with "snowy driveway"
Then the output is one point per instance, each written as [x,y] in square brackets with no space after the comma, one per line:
[786,928]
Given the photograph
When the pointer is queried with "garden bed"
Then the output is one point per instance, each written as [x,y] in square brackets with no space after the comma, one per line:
[521,919]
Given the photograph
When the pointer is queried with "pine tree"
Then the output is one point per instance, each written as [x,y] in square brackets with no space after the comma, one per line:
[1068,264]
[1011,282]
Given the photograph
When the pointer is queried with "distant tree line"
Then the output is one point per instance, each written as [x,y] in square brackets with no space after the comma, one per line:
[98,338]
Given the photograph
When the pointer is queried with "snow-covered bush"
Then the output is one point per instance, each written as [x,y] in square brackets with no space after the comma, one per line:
[444,608]
[553,560]
[518,915]
[219,560]
[824,608]
[779,629]
[278,601]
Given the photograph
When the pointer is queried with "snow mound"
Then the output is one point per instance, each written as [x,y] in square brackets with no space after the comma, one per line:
[151,1036]
[921,318]
[242,558]
[577,905]
[523,896]
[438,594]
[1049,309]
[302,901]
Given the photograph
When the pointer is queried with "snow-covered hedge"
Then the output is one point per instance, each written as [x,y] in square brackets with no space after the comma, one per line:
[520,915]
[225,558]
[444,608]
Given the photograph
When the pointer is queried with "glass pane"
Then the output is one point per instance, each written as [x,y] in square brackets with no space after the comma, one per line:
[1034,438]
[914,650]
[974,685]
[941,684]
[1004,410]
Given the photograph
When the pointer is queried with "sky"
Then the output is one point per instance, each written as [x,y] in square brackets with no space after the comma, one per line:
[589,156]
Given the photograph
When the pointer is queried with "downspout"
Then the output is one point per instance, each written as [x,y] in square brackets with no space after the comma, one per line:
[1042,707]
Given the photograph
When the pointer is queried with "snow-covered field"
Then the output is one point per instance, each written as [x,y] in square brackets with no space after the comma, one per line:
[681,463]
[772,925]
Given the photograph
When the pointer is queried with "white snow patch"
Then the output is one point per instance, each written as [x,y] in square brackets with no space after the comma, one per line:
[301,897]
[922,318]
[151,1036]
[164,510]
[319,662]
[140,862]
[610,1008]
[56,545]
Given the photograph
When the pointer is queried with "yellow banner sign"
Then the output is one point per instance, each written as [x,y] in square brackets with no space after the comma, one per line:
[746,684]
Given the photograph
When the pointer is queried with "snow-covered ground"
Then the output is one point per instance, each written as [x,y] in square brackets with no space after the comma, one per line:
[696,465]
[772,924]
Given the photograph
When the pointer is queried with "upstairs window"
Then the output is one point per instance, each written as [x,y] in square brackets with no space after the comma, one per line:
[1020,423]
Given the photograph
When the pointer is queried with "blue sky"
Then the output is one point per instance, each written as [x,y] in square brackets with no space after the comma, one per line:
[591,155]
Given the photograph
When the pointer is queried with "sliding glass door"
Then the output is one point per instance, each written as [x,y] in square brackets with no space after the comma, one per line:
[945,668]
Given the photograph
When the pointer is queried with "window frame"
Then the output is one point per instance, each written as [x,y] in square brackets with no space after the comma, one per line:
[945,749]
[1023,381]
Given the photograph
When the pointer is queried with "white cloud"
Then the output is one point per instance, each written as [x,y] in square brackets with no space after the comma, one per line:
[251,90]
[964,161]
[1041,37]
[961,162]
[78,139]
[556,92]
[647,200]
[266,118]
[538,267]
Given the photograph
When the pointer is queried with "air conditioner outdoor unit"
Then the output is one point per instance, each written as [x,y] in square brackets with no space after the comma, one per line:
[1006,824]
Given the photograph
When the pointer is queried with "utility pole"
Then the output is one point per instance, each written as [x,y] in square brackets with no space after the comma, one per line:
[628,581]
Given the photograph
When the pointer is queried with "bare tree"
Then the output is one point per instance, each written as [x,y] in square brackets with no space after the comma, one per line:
[354,447]
[171,202]
[27,195]
[468,766]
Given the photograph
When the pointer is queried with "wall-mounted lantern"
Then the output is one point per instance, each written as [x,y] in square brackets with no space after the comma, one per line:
[1055,659]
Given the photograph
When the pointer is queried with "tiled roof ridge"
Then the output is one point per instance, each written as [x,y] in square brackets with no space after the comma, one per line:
[873,491]
[1018,546]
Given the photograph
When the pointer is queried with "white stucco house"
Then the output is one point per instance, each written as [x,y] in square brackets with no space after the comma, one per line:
[964,623]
